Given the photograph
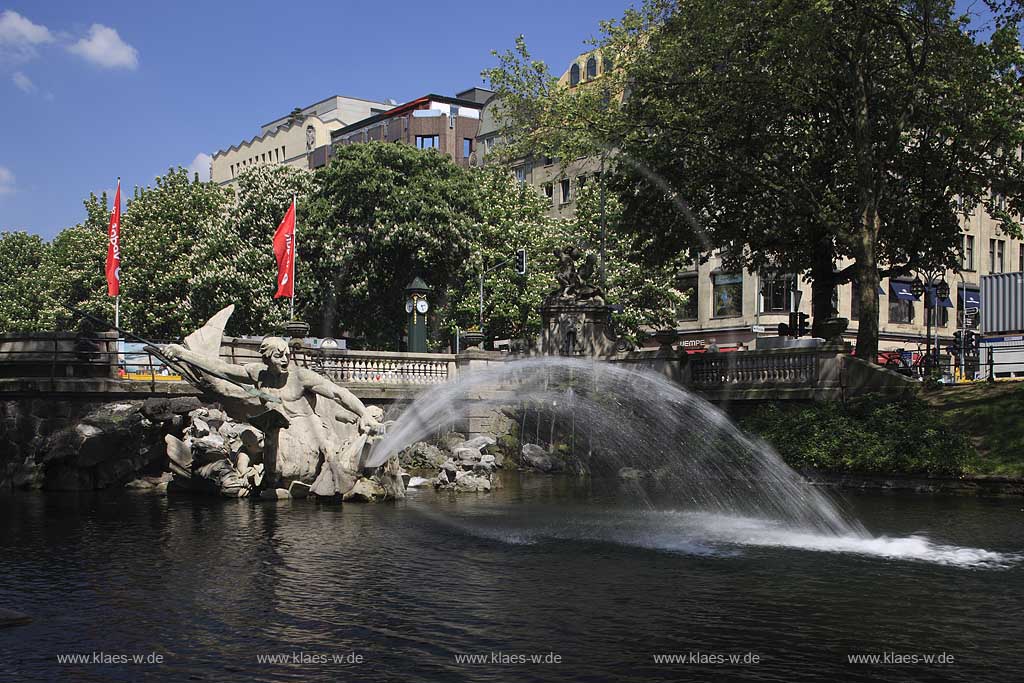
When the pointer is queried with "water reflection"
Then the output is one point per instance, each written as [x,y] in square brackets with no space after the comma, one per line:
[546,564]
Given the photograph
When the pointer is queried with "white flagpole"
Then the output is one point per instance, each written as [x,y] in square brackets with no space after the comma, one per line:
[295,253]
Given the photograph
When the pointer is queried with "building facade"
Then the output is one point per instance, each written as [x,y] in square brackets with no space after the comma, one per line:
[290,139]
[556,180]
[447,124]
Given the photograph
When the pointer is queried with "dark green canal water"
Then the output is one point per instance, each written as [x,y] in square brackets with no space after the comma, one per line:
[544,580]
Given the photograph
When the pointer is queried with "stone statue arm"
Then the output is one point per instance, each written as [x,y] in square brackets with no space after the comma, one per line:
[230,371]
[321,386]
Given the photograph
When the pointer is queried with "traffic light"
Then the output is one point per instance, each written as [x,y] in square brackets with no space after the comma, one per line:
[521,261]
[971,343]
[790,329]
[802,324]
[958,341]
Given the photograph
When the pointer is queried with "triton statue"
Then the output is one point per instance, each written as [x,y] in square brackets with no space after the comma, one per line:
[314,430]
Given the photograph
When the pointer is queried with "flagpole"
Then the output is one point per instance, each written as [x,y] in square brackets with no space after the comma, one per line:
[295,253]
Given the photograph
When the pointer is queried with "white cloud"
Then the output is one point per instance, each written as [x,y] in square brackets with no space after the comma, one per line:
[104,47]
[6,180]
[23,82]
[19,37]
[201,165]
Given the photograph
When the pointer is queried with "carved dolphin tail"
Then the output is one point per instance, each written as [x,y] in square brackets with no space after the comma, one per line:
[206,342]
[207,339]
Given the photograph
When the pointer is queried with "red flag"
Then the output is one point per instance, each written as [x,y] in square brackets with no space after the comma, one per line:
[284,252]
[114,246]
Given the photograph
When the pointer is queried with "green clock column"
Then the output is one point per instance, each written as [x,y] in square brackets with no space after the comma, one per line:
[416,307]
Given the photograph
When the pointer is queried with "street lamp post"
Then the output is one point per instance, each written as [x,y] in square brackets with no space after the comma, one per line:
[935,290]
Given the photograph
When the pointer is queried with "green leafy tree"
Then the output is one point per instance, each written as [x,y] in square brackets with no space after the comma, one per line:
[512,216]
[788,135]
[646,291]
[382,214]
[72,272]
[21,289]
[161,229]
[233,262]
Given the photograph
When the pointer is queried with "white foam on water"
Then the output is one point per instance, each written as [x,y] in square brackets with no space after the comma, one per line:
[712,535]
[757,532]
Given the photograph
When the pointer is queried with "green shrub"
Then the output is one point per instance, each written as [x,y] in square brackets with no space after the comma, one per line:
[871,435]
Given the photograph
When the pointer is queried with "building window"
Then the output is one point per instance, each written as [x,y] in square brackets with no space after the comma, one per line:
[687,288]
[777,293]
[968,263]
[591,68]
[566,190]
[606,64]
[581,182]
[728,295]
[574,75]
[996,256]
[467,147]
[901,308]
[232,170]
[549,190]
[521,174]
[427,142]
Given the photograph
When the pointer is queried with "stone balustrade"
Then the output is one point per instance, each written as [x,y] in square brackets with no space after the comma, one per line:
[379,367]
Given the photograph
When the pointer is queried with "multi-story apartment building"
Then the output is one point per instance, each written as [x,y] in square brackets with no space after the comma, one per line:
[447,124]
[724,308]
[289,140]
[557,181]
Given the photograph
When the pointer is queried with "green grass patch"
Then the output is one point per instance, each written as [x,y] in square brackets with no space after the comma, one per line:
[992,415]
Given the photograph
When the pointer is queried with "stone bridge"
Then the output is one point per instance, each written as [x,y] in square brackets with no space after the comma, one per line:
[65,365]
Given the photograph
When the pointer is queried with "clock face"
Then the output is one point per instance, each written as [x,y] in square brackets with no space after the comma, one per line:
[422,306]
[408,306]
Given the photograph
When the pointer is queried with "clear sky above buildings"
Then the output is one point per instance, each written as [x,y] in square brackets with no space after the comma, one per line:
[93,90]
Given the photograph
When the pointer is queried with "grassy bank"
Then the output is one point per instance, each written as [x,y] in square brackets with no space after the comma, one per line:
[948,432]
[992,416]
[871,435]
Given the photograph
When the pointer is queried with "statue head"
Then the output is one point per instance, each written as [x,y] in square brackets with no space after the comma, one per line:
[276,354]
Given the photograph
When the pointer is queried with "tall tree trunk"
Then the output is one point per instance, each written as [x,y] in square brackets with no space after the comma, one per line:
[867,276]
[822,284]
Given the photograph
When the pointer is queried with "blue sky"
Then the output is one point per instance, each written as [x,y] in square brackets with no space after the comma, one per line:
[93,90]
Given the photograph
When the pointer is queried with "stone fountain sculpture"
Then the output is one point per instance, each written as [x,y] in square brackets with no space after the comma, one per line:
[313,431]
[576,318]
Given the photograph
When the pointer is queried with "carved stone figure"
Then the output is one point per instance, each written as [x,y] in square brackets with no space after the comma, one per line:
[312,426]
[575,286]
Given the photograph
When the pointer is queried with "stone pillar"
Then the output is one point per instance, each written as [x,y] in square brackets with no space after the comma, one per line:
[576,329]
[479,417]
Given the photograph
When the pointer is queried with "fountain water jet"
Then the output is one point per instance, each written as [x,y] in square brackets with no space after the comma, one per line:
[681,444]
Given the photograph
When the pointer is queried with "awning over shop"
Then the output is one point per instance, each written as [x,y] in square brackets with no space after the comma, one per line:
[901,290]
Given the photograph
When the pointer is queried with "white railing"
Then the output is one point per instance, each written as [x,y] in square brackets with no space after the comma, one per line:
[384,368]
